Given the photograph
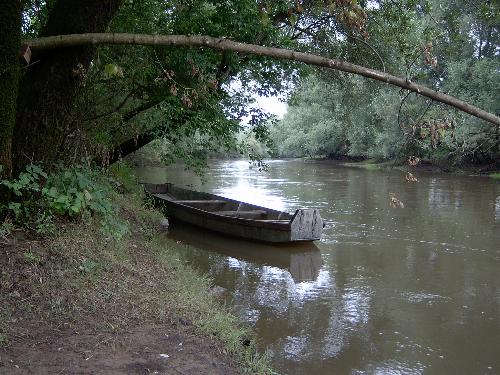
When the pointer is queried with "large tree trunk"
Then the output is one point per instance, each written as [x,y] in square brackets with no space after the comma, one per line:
[10,42]
[50,86]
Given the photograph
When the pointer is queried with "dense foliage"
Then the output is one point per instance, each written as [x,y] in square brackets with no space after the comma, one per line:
[180,96]
[433,43]
[103,103]
[39,199]
[185,97]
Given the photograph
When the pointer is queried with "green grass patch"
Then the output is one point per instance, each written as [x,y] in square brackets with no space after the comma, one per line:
[495,175]
[4,318]
[83,276]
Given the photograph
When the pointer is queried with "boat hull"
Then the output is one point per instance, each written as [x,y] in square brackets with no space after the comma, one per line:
[271,226]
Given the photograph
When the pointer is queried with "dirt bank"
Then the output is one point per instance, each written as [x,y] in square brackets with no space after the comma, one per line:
[152,349]
[85,303]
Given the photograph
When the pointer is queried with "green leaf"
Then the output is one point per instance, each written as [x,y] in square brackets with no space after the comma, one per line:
[15,208]
[76,208]
[113,71]
[88,196]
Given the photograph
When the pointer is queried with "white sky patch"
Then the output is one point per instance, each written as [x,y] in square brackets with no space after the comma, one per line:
[272,105]
[373,4]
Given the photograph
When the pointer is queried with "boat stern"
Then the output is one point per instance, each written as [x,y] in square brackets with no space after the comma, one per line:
[306,225]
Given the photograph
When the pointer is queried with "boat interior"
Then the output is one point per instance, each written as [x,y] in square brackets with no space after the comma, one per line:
[219,205]
[236,209]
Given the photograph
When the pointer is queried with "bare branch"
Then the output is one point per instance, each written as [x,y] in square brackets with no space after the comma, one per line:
[221,44]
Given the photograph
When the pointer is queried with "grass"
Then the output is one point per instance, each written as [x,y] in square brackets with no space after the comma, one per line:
[371,164]
[4,318]
[82,276]
[495,175]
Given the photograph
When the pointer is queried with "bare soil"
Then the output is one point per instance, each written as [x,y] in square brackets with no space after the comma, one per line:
[153,349]
[72,305]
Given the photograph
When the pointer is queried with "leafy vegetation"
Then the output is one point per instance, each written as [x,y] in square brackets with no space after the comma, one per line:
[74,193]
[104,103]
[181,97]
[109,101]
[88,280]
[335,114]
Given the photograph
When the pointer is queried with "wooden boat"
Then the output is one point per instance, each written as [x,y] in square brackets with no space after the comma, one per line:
[236,218]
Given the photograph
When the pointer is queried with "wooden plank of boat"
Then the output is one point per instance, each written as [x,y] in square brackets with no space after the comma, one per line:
[236,218]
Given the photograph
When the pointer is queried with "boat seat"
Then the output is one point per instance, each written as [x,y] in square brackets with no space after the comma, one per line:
[275,221]
[253,214]
[200,201]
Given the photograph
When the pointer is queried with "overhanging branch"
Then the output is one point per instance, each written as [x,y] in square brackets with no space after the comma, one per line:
[130,146]
[278,53]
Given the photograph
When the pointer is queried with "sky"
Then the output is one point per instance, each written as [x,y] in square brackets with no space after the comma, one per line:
[272,105]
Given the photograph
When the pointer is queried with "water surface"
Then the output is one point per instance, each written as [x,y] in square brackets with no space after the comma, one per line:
[387,290]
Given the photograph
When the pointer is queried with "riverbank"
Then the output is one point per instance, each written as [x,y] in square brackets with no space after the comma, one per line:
[492,170]
[84,302]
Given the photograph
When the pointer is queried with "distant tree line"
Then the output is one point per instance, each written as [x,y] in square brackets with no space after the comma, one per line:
[452,46]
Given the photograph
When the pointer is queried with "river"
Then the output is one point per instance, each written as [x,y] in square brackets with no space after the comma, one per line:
[413,290]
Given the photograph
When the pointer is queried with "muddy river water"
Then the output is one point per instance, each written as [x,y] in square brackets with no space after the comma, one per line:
[413,290]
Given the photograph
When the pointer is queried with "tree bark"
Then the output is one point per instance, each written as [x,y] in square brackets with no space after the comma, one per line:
[49,88]
[129,146]
[279,53]
[10,43]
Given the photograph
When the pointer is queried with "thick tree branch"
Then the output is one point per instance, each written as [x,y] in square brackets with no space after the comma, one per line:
[279,53]
[130,146]
[115,109]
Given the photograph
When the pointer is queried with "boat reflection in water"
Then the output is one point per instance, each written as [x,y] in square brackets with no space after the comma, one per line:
[302,259]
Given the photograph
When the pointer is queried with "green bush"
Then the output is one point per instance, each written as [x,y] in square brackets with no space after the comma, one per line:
[122,176]
[68,193]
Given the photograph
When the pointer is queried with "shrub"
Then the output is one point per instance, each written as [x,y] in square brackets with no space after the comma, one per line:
[68,193]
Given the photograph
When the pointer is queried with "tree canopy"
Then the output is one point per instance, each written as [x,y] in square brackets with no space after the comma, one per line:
[102,102]
[439,47]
